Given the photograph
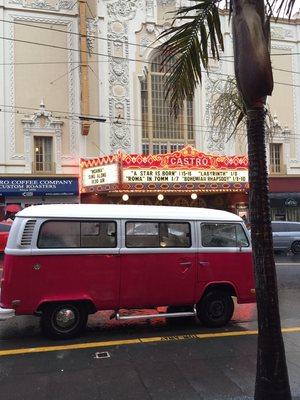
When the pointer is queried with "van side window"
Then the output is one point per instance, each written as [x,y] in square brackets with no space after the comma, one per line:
[59,234]
[175,235]
[223,235]
[98,234]
[77,234]
[157,234]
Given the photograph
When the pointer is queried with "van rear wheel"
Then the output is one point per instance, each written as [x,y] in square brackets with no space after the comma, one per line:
[295,248]
[64,320]
[215,309]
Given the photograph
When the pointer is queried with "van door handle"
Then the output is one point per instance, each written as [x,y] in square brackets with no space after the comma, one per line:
[186,263]
[203,263]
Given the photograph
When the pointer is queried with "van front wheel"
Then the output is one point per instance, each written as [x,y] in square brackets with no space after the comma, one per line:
[215,309]
[63,320]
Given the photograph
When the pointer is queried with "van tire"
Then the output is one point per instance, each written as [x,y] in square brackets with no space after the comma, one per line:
[55,323]
[295,247]
[215,309]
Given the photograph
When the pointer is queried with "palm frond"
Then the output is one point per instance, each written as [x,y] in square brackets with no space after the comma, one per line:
[186,48]
[279,8]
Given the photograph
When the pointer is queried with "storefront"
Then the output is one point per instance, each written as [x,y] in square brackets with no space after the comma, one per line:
[183,178]
[285,198]
[23,191]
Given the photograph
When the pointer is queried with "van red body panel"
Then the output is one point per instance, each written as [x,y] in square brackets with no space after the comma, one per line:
[63,277]
[126,281]
[233,268]
[157,279]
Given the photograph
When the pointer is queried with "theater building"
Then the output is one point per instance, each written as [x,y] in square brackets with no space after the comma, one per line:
[183,178]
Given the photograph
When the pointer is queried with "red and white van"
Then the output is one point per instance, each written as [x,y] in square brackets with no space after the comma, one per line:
[63,262]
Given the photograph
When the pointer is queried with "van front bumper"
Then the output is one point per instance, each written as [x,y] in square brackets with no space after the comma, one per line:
[6,313]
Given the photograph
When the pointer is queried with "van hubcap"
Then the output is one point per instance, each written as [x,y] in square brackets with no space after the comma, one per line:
[65,318]
[216,309]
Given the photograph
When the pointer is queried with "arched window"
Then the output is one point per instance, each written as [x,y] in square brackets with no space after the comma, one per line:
[162,132]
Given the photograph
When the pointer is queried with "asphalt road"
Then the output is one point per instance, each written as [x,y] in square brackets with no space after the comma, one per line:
[149,359]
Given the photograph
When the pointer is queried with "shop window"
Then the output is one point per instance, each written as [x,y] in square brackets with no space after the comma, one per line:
[161,130]
[276,158]
[43,154]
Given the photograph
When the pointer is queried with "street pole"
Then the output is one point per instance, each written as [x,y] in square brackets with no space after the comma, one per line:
[84,81]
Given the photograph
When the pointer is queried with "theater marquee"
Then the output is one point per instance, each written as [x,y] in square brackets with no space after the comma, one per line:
[183,170]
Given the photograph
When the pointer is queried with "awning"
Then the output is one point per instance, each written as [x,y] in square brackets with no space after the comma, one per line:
[291,199]
[13,208]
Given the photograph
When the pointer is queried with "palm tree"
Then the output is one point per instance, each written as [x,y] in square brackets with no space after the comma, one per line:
[197,28]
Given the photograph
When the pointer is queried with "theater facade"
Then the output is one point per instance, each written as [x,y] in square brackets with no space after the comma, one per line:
[186,177]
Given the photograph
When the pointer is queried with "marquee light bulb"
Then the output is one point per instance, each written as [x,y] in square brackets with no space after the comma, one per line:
[125,197]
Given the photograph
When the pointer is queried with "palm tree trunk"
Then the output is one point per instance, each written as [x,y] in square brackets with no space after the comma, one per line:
[272,382]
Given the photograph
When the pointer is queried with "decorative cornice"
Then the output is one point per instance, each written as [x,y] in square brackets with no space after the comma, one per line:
[44,5]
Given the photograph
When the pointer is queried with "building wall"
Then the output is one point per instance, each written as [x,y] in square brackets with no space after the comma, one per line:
[119,33]
[35,74]
[138,24]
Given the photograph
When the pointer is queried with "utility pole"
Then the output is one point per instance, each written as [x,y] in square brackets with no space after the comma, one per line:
[84,80]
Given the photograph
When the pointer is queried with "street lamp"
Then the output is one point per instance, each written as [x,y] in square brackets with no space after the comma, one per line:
[86,122]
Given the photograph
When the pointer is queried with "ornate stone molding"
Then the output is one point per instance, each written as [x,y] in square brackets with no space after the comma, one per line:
[44,5]
[278,132]
[281,33]
[123,9]
[119,102]
[165,3]
[150,8]
[92,25]
[41,122]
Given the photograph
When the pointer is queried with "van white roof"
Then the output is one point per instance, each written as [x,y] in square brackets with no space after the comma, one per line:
[125,211]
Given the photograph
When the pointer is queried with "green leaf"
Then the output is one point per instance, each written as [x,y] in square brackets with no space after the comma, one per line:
[188,43]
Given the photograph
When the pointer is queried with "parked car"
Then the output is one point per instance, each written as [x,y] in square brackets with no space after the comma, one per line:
[286,236]
[4,230]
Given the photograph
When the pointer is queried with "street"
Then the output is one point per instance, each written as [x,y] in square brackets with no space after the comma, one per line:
[151,359]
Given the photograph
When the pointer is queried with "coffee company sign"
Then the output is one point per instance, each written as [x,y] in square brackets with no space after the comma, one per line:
[38,187]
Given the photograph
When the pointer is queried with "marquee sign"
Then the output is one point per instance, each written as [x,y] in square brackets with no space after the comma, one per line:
[187,169]
[183,176]
[101,175]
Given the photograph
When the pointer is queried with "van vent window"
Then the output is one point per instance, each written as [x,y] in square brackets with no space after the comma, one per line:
[28,232]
